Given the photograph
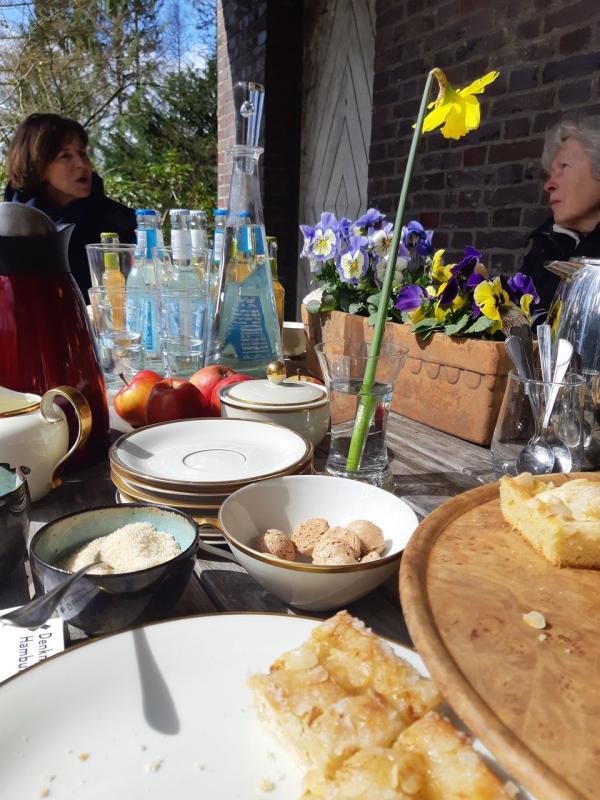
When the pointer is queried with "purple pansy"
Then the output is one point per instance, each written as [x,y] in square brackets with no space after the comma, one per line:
[474,279]
[410,297]
[475,310]
[372,218]
[345,227]
[467,263]
[415,235]
[521,284]
[323,244]
[450,292]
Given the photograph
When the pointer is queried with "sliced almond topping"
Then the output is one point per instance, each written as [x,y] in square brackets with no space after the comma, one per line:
[535,620]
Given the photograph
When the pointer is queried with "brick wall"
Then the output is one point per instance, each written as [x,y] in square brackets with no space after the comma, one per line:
[486,189]
[241,36]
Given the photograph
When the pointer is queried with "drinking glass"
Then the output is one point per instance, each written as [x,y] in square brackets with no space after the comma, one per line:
[343,363]
[117,316]
[166,268]
[183,331]
[102,258]
[520,422]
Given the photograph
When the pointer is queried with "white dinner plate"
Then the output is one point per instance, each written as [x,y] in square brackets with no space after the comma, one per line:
[209,451]
[159,712]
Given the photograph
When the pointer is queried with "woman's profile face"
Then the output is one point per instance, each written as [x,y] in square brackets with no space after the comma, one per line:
[573,189]
[69,176]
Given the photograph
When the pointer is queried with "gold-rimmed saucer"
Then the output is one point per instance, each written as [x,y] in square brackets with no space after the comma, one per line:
[218,455]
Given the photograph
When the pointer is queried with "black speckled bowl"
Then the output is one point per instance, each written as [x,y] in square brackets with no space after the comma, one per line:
[107,603]
[14,519]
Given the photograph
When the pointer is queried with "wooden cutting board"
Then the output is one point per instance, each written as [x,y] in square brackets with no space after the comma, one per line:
[466,580]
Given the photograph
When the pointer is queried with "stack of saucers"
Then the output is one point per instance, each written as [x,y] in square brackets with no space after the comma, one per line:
[194,465]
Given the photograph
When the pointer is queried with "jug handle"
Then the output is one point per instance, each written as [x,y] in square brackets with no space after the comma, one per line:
[84,420]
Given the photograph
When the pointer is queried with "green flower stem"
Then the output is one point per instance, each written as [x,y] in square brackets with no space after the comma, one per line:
[367,402]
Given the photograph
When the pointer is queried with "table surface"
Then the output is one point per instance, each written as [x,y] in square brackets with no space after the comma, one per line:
[428,466]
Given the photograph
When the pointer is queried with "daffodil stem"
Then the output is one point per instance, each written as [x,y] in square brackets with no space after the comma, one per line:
[367,401]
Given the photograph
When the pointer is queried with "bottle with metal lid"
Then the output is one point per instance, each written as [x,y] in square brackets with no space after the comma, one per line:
[245,333]
[198,230]
[113,279]
[220,218]
[278,289]
[181,237]
[148,232]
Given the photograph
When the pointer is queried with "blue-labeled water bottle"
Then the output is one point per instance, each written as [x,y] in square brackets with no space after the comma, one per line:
[220,217]
[142,276]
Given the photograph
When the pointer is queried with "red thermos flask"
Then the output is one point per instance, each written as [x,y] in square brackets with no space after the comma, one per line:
[46,338]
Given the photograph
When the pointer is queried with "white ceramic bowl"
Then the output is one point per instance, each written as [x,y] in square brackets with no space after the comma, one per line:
[283,503]
[300,406]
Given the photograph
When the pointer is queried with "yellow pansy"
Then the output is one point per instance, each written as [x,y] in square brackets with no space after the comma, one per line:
[525,303]
[491,297]
[457,111]
[439,271]
[417,315]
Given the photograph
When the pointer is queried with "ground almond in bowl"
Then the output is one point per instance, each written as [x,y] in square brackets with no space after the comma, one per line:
[132,548]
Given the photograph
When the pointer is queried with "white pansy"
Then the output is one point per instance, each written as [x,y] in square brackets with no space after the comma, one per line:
[382,243]
[380,267]
[324,242]
[353,264]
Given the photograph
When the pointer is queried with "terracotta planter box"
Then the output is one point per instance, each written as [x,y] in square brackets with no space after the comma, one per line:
[451,384]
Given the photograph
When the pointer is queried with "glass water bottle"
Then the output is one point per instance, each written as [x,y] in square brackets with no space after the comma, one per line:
[245,334]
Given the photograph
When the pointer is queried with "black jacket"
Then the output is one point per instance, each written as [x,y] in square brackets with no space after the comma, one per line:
[92,216]
[550,245]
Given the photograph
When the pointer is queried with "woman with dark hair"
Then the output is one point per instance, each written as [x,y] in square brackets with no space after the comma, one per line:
[572,159]
[49,167]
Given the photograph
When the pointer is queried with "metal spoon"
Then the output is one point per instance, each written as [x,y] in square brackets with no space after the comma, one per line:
[538,456]
[544,336]
[516,351]
[37,611]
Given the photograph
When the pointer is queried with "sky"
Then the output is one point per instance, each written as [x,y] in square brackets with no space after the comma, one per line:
[196,50]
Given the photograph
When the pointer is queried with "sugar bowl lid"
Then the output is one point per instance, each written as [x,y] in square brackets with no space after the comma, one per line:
[275,392]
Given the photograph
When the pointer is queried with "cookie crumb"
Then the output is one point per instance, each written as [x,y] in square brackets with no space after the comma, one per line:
[568,651]
[266,785]
[154,766]
[83,756]
[542,637]
[535,619]
[45,792]
[511,789]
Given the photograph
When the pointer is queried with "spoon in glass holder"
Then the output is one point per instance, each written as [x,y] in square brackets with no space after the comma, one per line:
[37,611]
[539,456]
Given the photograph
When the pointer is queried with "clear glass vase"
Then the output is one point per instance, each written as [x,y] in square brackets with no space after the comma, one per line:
[245,333]
[520,426]
[343,363]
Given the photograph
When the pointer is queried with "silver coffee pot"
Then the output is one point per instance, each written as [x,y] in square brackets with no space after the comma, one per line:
[575,315]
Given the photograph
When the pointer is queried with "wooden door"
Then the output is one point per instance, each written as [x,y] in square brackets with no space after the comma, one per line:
[339,51]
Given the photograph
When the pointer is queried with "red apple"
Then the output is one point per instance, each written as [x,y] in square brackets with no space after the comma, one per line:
[175,398]
[215,398]
[207,378]
[130,401]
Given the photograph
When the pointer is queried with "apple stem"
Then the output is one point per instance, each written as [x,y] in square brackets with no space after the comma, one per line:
[124,379]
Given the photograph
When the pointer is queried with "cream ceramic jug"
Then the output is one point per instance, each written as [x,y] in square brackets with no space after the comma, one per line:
[34,434]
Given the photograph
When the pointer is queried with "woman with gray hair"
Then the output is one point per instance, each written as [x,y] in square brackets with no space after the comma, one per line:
[572,159]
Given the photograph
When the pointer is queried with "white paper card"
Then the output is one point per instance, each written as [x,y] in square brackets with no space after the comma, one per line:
[21,648]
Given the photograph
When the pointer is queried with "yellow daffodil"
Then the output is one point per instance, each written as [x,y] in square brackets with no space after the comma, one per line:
[439,270]
[457,110]
[491,298]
